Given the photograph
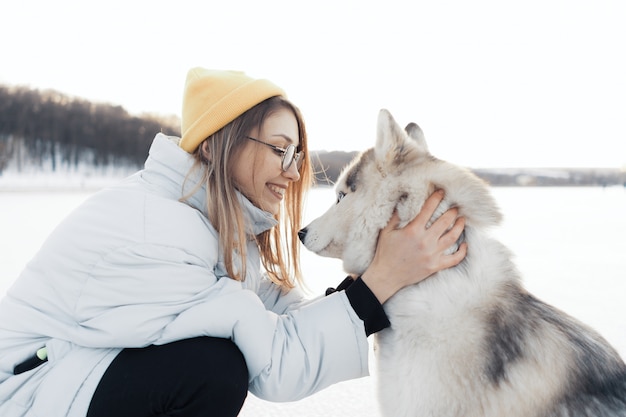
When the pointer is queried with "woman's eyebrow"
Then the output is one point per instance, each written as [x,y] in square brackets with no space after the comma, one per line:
[280,135]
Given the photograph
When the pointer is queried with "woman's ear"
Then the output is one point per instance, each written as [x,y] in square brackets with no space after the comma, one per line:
[204,148]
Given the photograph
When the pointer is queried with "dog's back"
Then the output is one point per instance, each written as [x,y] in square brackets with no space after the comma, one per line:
[470,341]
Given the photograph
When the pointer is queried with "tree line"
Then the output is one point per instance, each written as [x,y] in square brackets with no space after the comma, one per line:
[49,128]
[38,126]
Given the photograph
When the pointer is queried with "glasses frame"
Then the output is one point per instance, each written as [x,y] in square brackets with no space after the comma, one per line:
[297,156]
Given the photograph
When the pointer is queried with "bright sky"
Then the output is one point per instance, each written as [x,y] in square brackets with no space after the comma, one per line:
[492,83]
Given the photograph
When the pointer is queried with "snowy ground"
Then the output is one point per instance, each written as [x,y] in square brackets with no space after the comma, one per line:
[569,244]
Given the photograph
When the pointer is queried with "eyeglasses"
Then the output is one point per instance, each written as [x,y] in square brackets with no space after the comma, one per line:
[289,154]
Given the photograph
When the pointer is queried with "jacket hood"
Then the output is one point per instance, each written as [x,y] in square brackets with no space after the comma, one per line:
[168,165]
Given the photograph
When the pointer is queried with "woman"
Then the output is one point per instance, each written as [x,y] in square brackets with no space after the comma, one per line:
[177,290]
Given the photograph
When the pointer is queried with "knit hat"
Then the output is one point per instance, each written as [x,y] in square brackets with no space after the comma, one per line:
[214,98]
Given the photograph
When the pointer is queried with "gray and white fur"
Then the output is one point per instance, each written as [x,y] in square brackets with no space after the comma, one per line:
[469,341]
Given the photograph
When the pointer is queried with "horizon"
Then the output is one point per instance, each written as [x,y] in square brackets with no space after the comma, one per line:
[493,168]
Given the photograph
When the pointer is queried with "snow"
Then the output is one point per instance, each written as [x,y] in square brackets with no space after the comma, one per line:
[569,245]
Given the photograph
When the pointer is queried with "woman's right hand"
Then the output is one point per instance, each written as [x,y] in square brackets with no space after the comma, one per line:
[409,255]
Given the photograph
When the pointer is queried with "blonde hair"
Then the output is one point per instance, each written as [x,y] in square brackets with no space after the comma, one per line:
[279,246]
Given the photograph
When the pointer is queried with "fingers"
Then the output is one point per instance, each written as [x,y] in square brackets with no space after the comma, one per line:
[429,207]
[392,224]
[446,229]
[453,234]
[444,222]
[454,259]
[441,225]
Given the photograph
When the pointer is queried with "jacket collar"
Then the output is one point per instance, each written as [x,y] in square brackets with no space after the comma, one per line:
[168,165]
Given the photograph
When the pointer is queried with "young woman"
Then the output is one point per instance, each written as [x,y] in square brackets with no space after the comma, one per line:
[177,291]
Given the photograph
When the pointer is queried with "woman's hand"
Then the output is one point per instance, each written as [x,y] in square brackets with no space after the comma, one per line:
[409,255]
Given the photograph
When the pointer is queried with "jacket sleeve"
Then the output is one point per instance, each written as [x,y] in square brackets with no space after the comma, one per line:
[365,304]
[134,292]
[279,301]
[289,356]
[361,298]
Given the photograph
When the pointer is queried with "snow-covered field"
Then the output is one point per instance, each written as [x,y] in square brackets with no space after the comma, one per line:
[569,244]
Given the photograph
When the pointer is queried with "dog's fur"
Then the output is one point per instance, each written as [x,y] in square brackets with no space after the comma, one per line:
[469,341]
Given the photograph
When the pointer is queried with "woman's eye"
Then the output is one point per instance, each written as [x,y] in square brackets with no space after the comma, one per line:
[340,196]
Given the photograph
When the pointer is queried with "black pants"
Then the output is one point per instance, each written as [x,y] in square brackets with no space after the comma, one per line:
[203,376]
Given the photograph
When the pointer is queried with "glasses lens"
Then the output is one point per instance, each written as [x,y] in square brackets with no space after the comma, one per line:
[288,157]
[298,157]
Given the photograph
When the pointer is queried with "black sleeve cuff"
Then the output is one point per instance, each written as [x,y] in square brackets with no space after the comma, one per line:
[344,284]
[364,303]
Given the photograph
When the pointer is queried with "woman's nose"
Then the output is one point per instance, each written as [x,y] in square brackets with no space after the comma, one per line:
[292,172]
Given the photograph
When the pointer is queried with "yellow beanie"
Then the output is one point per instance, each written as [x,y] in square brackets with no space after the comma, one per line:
[214,98]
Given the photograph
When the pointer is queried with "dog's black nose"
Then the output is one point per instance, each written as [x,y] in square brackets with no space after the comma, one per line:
[302,234]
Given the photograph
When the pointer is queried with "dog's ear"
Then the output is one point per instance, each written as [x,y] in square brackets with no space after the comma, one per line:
[392,142]
[416,133]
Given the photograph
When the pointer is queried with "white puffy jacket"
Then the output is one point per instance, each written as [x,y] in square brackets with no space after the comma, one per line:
[133,266]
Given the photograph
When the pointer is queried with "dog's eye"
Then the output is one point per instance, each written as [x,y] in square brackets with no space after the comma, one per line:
[340,196]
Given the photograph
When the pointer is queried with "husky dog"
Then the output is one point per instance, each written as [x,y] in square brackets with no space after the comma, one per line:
[470,340]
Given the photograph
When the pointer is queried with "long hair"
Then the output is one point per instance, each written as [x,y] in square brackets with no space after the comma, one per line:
[279,246]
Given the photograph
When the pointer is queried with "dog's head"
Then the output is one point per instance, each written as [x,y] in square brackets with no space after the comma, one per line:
[399,174]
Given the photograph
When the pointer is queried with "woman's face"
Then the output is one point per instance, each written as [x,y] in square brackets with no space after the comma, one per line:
[257,170]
